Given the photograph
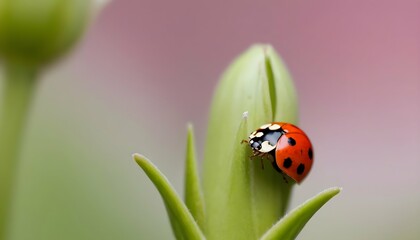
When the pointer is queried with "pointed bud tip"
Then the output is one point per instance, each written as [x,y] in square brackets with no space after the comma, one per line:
[333,190]
[137,156]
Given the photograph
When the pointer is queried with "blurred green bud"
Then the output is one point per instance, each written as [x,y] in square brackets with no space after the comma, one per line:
[35,32]
[243,201]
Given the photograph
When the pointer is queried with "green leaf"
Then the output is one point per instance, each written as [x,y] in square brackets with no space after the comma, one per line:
[258,83]
[183,223]
[193,195]
[176,227]
[291,225]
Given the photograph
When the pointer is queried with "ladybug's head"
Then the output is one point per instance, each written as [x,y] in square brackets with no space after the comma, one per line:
[255,145]
[264,140]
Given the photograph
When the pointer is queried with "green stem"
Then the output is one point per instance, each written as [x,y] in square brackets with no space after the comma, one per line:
[18,87]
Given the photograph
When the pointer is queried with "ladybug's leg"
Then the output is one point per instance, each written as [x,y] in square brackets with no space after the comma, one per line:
[261,155]
[244,141]
[262,162]
[280,171]
[258,154]
[276,167]
[284,177]
[254,155]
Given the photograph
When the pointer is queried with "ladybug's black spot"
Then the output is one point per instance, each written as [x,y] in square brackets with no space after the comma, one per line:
[287,163]
[310,153]
[300,169]
[291,141]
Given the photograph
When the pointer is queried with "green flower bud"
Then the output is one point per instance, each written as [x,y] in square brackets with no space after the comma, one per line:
[242,200]
[37,32]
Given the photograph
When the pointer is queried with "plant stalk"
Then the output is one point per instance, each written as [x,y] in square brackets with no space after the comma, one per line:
[19,84]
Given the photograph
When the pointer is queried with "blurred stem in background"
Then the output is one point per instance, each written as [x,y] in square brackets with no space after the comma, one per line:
[19,83]
[32,34]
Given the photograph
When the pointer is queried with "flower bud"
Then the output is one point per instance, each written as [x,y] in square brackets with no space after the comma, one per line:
[242,200]
[37,32]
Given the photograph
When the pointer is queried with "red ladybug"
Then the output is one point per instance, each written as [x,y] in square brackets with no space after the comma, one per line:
[289,147]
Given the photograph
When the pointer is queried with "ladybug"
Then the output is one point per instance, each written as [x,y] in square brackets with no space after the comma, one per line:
[290,149]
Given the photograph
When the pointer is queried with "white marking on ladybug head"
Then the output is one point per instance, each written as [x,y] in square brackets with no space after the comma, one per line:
[265,126]
[252,135]
[266,147]
[274,127]
[259,134]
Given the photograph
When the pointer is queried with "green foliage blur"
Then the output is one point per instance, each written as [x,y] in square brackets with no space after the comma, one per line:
[36,32]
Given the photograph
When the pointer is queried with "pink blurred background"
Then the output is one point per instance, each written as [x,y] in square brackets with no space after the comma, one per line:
[146,68]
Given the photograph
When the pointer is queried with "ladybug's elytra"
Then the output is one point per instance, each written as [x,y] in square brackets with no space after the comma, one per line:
[289,147]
